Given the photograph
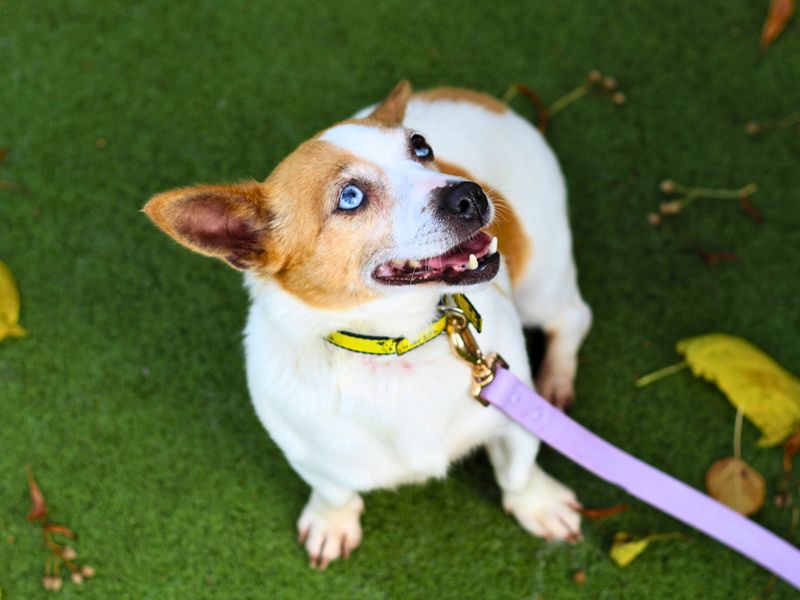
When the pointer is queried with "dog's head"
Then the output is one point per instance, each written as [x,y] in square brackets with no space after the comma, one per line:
[352,214]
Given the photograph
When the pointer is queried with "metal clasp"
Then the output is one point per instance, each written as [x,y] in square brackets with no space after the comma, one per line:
[466,347]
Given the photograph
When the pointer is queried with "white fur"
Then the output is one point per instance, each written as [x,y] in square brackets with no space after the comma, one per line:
[349,423]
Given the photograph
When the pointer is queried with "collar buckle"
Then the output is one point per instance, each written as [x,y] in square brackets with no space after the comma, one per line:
[466,347]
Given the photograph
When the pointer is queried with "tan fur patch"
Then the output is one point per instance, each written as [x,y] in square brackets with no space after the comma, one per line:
[513,243]
[318,254]
[452,94]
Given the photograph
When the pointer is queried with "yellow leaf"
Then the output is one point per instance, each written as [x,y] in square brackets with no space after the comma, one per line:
[624,550]
[736,484]
[624,553]
[9,305]
[765,392]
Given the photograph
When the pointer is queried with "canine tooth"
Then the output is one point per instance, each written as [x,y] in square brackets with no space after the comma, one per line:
[414,264]
[473,262]
[493,246]
[397,264]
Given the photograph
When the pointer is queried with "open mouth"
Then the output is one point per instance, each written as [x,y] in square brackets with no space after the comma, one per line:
[473,261]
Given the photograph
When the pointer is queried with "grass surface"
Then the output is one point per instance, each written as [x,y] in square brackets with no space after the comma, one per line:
[128,398]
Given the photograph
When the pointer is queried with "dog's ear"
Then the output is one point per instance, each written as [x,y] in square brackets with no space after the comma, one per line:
[224,221]
[393,108]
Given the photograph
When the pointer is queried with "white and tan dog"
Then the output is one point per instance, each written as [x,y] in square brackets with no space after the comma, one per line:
[362,229]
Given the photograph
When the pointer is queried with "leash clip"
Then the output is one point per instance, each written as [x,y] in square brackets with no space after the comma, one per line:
[466,347]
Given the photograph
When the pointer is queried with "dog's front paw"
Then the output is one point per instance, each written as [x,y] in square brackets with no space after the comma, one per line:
[546,508]
[330,532]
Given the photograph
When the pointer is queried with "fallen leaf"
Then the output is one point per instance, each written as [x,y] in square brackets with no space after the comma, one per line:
[736,484]
[625,550]
[790,447]
[3,154]
[767,394]
[39,508]
[780,11]
[602,513]
[752,211]
[713,257]
[624,553]
[60,529]
[9,305]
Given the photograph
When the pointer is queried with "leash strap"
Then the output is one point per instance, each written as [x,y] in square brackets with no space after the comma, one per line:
[520,403]
[379,345]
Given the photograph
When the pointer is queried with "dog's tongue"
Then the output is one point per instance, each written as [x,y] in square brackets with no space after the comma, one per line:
[458,257]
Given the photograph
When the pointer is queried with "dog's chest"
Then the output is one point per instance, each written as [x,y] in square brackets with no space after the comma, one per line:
[417,406]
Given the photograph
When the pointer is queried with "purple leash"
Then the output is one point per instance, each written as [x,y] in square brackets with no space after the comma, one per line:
[521,404]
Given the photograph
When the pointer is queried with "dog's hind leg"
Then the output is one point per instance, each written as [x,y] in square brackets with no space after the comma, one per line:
[564,335]
[552,301]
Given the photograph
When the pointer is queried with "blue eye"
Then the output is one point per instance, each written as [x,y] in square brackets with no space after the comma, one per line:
[420,147]
[350,197]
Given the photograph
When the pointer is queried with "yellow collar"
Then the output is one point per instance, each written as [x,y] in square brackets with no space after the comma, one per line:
[370,344]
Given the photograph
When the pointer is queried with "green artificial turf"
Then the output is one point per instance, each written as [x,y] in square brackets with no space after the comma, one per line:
[128,398]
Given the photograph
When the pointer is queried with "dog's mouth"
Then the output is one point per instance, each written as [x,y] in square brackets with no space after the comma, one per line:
[473,261]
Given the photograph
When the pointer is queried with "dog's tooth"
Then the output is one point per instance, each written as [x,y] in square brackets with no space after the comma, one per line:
[397,264]
[414,264]
[493,245]
[473,262]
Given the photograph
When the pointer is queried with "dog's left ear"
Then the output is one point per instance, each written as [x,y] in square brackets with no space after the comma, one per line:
[393,108]
[229,222]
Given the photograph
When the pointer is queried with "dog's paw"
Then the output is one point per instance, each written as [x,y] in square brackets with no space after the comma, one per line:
[556,386]
[546,508]
[329,532]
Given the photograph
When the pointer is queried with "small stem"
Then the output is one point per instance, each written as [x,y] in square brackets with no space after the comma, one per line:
[737,434]
[510,94]
[660,374]
[716,194]
[568,99]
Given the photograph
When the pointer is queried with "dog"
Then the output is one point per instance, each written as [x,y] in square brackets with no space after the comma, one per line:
[358,235]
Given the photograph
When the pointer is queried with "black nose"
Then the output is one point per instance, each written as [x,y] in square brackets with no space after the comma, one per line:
[466,201]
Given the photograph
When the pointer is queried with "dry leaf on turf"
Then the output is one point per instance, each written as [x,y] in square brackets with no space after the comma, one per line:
[736,484]
[791,447]
[9,305]
[624,550]
[39,508]
[602,513]
[766,393]
[780,11]
[60,529]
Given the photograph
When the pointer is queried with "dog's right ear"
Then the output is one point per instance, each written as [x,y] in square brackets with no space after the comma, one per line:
[229,222]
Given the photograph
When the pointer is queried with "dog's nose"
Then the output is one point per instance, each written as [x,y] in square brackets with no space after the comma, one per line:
[466,201]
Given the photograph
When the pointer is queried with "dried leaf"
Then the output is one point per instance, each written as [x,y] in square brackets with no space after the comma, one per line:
[780,11]
[625,550]
[603,513]
[751,210]
[39,508]
[713,257]
[736,484]
[791,447]
[9,305]
[767,394]
[60,529]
